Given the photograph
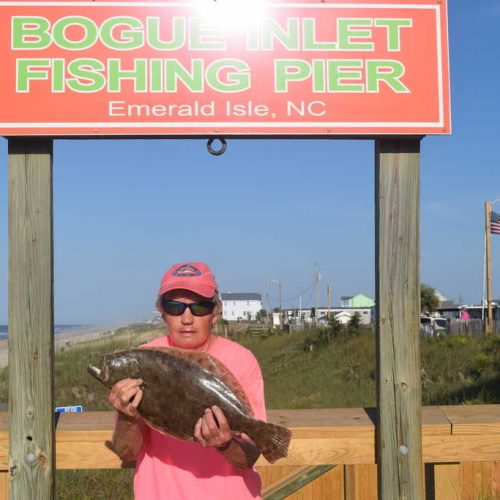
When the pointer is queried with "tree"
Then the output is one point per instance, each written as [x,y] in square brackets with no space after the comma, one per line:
[429,301]
[354,323]
[355,320]
[334,324]
[261,316]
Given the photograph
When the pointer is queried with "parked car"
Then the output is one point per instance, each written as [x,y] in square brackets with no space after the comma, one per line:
[430,327]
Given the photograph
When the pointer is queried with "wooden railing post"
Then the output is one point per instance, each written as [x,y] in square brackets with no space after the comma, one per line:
[31,342]
[399,443]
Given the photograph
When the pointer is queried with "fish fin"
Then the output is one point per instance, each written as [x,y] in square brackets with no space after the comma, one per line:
[213,365]
[271,440]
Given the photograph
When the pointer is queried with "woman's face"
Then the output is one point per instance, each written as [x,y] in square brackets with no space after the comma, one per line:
[189,331]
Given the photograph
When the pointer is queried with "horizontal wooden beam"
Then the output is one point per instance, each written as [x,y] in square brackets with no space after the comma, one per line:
[329,436]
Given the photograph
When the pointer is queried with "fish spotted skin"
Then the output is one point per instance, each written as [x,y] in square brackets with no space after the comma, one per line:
[180,384]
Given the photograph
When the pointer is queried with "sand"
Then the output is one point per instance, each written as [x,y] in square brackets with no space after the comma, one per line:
[60,340]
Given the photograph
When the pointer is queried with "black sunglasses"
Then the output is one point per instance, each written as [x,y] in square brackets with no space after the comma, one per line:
[176,308]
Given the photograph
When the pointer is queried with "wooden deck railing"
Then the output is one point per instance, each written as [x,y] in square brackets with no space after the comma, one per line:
[461,451]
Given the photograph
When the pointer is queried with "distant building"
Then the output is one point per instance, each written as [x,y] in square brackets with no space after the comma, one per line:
[240,306]
[320,315]
[357,301]
[476,311]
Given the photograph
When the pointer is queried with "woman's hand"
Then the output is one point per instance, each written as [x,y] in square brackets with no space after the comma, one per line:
[126,395]
[212,429]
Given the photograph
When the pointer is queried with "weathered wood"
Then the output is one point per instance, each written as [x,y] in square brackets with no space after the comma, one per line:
[31,345]
[399,448]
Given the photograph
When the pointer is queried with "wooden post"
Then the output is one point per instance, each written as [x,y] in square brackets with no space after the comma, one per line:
[31,322]
[399,440]
[489,285]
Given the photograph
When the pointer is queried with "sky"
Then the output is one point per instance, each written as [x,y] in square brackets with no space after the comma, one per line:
[126,210]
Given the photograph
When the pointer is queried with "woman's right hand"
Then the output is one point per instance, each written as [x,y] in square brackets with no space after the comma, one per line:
[126,395]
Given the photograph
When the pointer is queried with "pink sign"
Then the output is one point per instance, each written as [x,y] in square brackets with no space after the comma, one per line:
[119,68]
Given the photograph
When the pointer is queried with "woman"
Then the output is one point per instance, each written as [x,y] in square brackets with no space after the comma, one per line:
[218,464]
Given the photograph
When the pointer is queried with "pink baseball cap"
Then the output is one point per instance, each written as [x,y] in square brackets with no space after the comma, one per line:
[193,276]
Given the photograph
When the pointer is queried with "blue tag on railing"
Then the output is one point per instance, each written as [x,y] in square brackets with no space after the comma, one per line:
[67,409]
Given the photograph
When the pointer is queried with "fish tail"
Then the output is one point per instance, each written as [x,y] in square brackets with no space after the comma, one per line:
[272,440]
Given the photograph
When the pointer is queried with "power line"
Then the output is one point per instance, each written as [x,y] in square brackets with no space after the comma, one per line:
[297,296]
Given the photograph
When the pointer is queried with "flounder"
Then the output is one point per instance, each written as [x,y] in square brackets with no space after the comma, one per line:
[180,384]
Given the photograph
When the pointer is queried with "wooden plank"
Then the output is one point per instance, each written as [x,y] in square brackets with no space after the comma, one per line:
[435,422]
[81,439]
[460,448]
[334,422]
[332,485]
[351,421]
[477,419]
[349,482]
[366,481]
[399,448]
[87,454]
[328,486]
[31,320]
[4,484]
[271,476]
[325,422]
[486,479]
[448,481]
[317,451]
[361,482]
[300,483]
[467,481]
[495,479]
[477,479]
[86,421]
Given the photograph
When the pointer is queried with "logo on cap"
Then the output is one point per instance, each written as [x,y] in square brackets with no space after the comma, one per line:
[186,271]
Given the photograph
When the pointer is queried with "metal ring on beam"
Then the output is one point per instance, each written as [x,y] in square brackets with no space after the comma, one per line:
[221,150]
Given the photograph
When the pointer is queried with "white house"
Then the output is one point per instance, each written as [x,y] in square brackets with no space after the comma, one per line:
[240,306]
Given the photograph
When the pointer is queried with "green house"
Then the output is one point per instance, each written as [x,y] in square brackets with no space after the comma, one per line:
[359,300]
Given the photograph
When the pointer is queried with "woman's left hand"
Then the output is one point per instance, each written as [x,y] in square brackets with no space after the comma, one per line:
[212,429]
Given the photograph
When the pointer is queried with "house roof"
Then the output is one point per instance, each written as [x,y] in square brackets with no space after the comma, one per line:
[240,296]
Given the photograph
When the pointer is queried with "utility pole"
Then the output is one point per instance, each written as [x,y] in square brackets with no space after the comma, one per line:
[316,278]
[278,282]
[328,297]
